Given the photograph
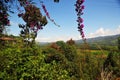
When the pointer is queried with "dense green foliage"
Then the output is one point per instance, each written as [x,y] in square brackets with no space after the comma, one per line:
[20,62]
[29,64]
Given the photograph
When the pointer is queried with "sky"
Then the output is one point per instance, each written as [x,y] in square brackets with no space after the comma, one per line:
[101,18]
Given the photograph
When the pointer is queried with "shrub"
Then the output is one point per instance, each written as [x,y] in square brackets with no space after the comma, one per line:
[29,64]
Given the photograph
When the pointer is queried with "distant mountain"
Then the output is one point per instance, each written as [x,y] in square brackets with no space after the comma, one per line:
[43,43]
[105,40]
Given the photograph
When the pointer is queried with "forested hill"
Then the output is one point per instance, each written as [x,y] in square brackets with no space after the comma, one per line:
[105,40]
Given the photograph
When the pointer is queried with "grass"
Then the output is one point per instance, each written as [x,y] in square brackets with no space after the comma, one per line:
[102,54]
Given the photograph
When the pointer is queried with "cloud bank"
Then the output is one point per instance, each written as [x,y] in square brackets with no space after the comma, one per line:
[104,32]
[54,39]
[100,32]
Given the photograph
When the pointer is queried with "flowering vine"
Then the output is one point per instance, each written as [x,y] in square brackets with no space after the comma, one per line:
[79,9]
[47,14]
[32,16]
[4,18]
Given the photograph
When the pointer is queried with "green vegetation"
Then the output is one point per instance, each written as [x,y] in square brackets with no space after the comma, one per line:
[28,64]
[57,61]
[108,43]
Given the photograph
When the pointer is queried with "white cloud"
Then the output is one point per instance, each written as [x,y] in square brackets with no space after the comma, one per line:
[49,39]
[100,32]
[54,39]
[104,32]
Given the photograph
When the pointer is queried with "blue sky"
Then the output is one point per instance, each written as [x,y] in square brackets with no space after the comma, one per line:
[101,18]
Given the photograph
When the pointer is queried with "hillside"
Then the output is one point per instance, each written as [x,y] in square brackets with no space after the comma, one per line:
[102,40]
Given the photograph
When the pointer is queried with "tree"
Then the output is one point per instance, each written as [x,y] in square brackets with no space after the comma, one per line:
[34,22]
[70,42]
[32,16]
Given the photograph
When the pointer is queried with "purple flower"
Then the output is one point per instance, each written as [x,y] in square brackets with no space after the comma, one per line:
[80,20]
[82,32]
[5,16]
[81,26]
[8,22]
[82,7]
[80,1]
[39,27]
[32,24]
[27,2]
[44,8]
[83,35]
[20,15]
[83,0]
[79,8]
[47,14]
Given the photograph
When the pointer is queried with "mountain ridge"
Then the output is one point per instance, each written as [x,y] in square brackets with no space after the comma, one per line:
[106,40]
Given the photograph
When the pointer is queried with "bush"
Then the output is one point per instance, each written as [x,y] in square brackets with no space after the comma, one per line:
[66,58]
[29,64]
[69,51]
[112,63]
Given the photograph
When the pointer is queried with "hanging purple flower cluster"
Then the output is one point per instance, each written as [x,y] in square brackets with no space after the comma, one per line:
[24,2]
[32,16]
[79,8]
[4,19]
[47,14]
